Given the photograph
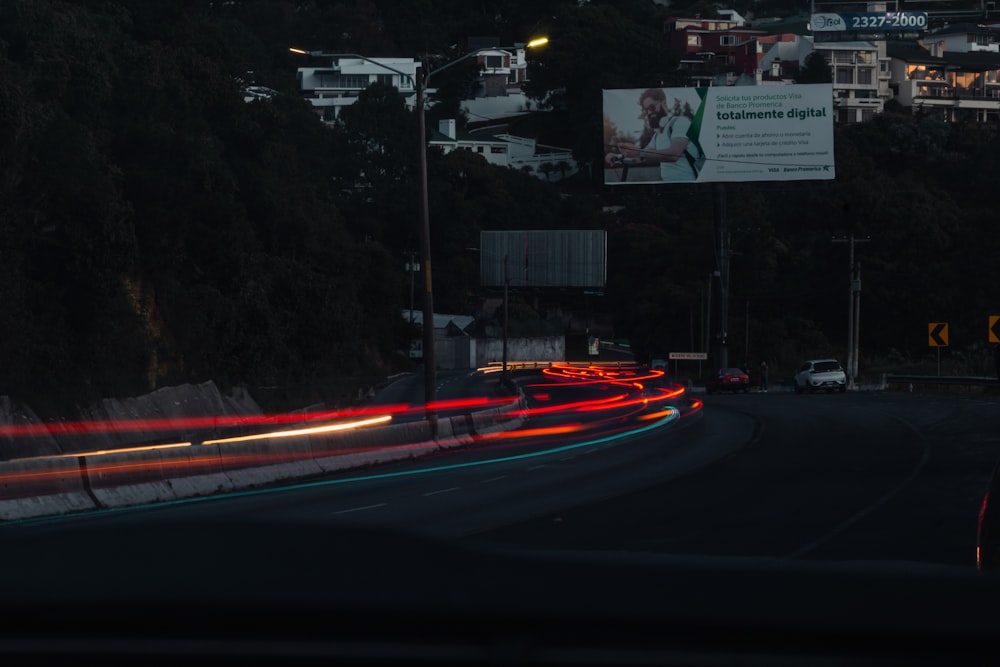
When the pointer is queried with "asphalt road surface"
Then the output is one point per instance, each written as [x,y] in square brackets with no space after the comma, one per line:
[866,476]
[861,476]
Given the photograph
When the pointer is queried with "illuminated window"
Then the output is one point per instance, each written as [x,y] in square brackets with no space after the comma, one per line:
[350,81]
[694,40]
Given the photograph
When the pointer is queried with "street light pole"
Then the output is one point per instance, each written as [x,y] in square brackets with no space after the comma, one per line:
[422,80]
[411,267]
[722,224]
[506,310]
[430,371]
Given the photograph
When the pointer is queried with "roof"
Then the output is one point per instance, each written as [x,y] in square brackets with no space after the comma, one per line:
[974,60]
[963,28]
[798,25]
[436,136]
[441,320]
[912,52]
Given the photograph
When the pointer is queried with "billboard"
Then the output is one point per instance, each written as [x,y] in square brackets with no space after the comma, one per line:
[718,134]
[894,22]
[543,258]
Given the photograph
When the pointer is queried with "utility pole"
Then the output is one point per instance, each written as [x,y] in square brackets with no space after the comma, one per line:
[430,370]
[723,231]
[412,267]
[853,308]
[746,334]
[506,310]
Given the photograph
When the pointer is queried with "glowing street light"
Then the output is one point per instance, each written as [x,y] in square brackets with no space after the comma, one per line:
[422,81]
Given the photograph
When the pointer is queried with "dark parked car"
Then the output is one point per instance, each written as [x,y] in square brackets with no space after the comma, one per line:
[728,379]
[988,536]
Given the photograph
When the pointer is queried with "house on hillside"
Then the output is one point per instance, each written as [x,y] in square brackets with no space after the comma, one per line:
[331,87]
[728,52]
[506,150]
[462,343]
[954,71]
[503,70]
[861,78]
[708,49]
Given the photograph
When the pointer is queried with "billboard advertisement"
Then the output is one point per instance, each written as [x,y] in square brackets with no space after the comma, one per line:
[718,134]
[544,258]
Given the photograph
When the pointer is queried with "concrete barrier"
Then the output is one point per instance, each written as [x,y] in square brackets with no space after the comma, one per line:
[258,462]
[42,487]
[58,485]
[123,479]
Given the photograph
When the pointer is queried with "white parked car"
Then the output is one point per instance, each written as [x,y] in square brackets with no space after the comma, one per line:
[820,375]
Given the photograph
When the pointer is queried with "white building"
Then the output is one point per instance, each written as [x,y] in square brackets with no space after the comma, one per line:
[506,150]
[339,84]
[861,74]
[502,72]
[954,71]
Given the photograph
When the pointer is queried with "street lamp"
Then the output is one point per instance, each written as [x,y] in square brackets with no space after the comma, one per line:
[423,80]
[421,83]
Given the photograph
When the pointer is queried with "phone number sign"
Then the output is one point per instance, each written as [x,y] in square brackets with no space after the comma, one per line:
[870,21]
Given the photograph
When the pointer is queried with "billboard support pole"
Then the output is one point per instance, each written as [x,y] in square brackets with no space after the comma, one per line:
[506,310]
[721,223]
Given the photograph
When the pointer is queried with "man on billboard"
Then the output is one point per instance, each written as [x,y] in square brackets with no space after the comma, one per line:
[664,140]
[718,134]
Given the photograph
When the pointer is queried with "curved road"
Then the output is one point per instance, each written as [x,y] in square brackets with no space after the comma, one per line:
[867,476]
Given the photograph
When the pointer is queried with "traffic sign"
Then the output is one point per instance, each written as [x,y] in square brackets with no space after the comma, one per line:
[994,329]
[688,355]
[937,334]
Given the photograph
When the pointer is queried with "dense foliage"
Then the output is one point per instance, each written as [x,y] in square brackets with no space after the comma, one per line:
[156,229]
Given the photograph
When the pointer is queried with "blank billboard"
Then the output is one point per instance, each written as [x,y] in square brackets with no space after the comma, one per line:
[718,134]
[543,258]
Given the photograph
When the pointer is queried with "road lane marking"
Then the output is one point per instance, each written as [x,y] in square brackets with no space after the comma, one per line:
[925,456]
[434,493]
[494,479]
[360,509]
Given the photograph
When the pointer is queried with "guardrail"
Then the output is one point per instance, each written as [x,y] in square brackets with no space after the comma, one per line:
[941,380]
[53,485]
